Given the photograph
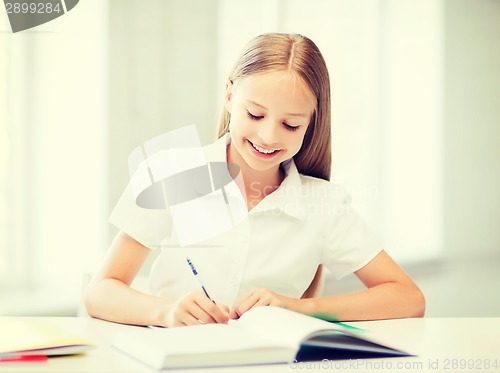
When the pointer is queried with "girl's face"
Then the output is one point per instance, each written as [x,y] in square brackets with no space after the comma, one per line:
[270,113]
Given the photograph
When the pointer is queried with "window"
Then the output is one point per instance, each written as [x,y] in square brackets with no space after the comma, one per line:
[53,182]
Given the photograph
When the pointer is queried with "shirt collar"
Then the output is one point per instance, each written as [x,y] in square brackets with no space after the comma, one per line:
[286,198]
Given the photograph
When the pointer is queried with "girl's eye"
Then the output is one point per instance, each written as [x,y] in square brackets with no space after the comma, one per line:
[290,128]
[258,117]
[254,117]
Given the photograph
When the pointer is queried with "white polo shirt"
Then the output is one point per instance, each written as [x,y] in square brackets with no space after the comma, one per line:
[305,222]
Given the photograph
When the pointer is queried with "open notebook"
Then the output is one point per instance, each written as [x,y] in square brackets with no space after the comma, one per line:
[263,335]
[25,337]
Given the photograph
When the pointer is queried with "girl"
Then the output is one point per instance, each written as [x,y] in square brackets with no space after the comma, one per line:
[276,127]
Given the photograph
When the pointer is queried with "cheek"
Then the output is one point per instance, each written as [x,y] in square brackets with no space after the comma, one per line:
[297,144]
[297,141]
[293,143]
[296,147]
[240,122]
[235,122]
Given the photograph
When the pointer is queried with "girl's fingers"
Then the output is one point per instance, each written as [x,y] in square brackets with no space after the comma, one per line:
[207,311]
[216,312]
[195,309]
[233,314]
[247,303]
[239,304]
[256,298]
[189,319]
[181,317]
[201,314]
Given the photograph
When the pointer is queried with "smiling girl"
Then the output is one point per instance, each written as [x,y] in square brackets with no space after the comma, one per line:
[275,126]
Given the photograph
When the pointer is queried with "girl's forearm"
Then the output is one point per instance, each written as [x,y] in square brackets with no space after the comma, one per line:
[113,300]
[384,301]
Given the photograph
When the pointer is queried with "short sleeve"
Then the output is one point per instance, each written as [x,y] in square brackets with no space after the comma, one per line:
[349,242]
[150,227]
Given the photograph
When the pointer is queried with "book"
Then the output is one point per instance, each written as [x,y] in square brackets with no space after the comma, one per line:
[262,335]
[22,337]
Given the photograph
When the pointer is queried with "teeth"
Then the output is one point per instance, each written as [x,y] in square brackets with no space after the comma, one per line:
[263,150]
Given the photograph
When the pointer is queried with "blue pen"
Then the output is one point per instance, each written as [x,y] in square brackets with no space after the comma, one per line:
[197,277]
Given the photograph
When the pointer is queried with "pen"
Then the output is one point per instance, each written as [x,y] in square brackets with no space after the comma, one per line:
[196,275]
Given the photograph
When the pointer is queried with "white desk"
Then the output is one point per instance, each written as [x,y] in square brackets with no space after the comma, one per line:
[442,345]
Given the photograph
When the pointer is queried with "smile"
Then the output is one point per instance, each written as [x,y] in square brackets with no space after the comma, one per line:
[263,150]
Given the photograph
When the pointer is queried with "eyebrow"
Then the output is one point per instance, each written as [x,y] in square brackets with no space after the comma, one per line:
[286,114]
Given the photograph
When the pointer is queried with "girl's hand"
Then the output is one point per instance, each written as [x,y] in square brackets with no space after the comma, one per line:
[195,309]
[261,297]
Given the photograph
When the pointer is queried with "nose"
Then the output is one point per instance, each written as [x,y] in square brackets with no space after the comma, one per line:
[268,133]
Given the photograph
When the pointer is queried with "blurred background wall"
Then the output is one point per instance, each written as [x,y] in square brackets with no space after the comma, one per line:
[416,130]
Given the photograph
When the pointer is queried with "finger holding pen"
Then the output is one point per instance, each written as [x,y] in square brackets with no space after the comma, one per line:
[196,308]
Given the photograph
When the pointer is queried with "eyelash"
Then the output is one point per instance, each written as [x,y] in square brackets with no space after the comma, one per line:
[256,117]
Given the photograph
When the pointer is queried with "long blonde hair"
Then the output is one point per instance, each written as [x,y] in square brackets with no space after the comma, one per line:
[298,54]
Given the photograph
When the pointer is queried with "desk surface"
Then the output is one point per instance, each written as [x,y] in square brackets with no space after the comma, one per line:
[441,344]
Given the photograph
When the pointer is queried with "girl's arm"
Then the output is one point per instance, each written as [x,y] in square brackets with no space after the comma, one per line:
[390,294]
[110,297]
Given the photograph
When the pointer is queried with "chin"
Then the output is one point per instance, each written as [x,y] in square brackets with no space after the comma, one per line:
[262,168]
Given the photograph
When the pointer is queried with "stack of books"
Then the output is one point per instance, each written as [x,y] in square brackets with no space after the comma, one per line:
[34,341]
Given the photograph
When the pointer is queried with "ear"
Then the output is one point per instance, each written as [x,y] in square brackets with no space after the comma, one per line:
[228,96]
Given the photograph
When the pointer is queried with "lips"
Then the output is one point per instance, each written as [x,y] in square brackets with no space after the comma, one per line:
[262,150]
[266,152]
